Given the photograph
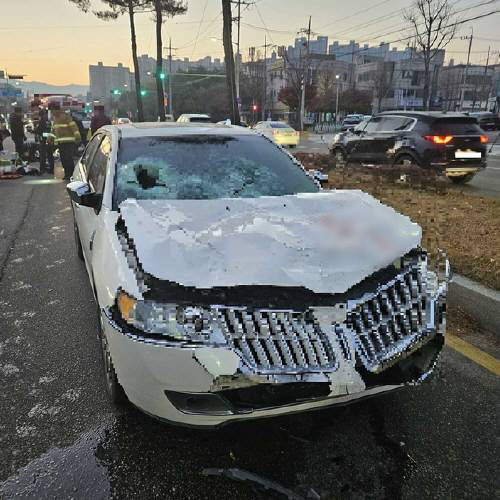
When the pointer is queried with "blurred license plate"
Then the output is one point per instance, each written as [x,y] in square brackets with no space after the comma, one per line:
[467,154]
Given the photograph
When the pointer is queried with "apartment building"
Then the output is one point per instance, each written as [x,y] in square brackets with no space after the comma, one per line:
[104,79]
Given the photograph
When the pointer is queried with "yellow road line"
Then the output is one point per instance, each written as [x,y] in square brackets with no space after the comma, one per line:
[481,358]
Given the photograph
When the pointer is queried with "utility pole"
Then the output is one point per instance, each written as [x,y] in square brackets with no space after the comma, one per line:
[483,87]
[464,80]
[170,96]
[170,105]
[264,81]
[305,75]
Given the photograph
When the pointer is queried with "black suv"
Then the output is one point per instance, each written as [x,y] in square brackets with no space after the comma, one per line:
[487,121]
[450,141]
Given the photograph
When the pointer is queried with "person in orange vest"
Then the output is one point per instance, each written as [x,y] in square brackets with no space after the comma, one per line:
[66,138]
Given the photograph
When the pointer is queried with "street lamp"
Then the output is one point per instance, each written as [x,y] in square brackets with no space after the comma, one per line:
[337,77]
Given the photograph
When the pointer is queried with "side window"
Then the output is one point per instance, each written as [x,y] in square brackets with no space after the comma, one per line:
[407,124]
[373,124]
[395,123]
[97,170]
[89,151]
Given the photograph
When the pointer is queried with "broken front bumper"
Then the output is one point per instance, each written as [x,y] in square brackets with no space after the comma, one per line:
[279,362]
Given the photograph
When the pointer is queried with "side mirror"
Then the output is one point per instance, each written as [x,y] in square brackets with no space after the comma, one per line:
[318,176]
[81,194]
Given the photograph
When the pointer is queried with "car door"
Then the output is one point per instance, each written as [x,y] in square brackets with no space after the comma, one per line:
[96,178]
[362,144]
[80,212]
[390,129]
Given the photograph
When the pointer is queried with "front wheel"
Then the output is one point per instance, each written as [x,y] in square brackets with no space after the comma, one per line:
[78,243]
[113,387]
[405,161]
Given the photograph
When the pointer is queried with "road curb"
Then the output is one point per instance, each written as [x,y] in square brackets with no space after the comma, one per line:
[480,302]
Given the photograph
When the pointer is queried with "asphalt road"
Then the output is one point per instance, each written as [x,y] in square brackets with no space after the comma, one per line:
[61,438]
[485,183]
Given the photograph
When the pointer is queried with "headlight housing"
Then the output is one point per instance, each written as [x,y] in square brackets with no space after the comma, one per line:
[182,323]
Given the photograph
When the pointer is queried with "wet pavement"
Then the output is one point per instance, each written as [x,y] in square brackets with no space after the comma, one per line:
[61,438]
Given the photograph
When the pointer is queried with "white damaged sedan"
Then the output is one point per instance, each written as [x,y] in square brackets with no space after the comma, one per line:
[231,286]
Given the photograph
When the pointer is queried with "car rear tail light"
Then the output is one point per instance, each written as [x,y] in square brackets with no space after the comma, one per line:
[439,139]
[484,139]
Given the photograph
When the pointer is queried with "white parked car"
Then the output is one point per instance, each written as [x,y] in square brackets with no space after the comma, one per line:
[280,132]
[194,118]
[123,120]
[230,286]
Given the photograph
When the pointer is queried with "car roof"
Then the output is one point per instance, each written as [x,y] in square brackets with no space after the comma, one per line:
[196,115]
[158,129]
[429,115]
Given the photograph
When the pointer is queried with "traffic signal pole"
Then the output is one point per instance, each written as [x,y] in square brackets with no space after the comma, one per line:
[170,106]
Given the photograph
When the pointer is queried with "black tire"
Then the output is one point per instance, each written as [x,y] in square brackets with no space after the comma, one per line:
[78,243]
[462,179]
[113,387]
[405,160]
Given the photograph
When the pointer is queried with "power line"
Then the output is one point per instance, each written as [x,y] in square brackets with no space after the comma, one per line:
[457,23]
[199,26]
[355,14]
[263,22]
[412,36]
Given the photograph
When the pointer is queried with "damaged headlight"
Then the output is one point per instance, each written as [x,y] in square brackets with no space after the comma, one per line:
[436,272]
[168,319]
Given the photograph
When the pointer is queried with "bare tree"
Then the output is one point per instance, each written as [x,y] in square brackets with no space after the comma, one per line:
[115,9]
[162,9]
[227,37]
[432,22]
[382,81]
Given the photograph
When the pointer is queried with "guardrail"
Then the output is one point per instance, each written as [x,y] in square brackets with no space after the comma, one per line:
[326,128]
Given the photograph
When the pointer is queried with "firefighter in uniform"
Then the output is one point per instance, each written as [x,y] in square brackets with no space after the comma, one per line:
[67,136]
[45,146]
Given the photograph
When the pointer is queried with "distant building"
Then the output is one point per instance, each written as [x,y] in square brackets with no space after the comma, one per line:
[477,88]
[147,65]
[355,53]
[494,99]
[399,84]
[104,79]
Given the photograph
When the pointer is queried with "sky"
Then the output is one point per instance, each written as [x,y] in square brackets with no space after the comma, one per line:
[53,42]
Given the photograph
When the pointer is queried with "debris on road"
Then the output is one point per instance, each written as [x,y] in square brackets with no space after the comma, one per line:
[262,482]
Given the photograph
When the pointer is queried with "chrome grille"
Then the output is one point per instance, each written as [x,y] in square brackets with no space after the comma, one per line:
[273,341]
[391,320]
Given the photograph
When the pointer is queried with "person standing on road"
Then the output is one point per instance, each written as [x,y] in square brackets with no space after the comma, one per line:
[16,126]
[99,119]
[66,137]
[46,148]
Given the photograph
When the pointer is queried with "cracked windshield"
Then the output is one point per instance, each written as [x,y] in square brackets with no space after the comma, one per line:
[249,249]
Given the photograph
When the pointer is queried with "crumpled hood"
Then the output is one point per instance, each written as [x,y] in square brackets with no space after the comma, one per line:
[326,242]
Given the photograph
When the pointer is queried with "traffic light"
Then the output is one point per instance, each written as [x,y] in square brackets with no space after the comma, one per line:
[162,76]
[116,92]
[144,92]
[254,107]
